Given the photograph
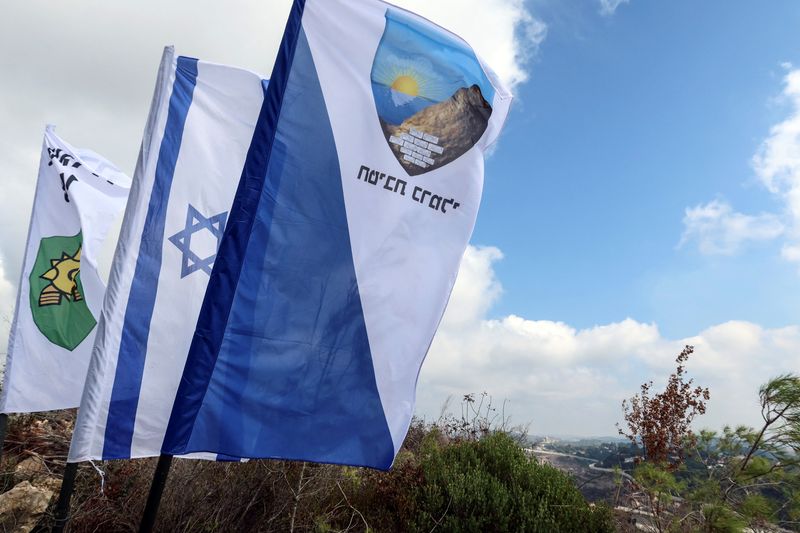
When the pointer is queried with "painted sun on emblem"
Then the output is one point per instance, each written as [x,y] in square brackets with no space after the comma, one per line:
[431,93]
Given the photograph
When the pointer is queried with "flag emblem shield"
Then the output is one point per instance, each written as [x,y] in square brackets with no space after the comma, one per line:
[431,94]
[56,293]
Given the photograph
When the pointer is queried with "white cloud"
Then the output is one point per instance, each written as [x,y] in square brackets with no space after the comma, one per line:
[718,229]
[570,380]
[777,162]
[7,298]
[608,7]
[476,288]
[791,253]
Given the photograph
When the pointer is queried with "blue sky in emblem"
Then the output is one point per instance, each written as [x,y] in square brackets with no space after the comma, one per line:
[626,121]
[433,61]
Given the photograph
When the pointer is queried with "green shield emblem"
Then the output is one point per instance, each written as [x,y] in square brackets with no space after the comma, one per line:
[56,293]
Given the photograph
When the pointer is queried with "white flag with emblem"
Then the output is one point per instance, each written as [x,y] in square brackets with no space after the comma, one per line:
[78,196]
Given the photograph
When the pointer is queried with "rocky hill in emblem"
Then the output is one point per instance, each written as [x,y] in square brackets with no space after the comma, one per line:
[439,133]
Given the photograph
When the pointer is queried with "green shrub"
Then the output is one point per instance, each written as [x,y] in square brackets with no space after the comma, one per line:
[492,485]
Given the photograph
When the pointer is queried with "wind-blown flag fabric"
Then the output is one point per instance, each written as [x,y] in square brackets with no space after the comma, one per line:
[195,144]
[357,201]
[79,194]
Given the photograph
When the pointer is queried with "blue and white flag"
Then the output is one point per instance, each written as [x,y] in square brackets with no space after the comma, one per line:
[195,144]
[357,201]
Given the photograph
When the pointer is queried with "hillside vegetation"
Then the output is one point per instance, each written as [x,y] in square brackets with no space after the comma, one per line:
[447,477]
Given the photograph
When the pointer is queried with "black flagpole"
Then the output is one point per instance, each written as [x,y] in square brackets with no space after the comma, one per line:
[64,497]
[3,427]
[156,489]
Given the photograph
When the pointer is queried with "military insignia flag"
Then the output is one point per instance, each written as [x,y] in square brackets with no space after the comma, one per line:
[78,197]
[358,198]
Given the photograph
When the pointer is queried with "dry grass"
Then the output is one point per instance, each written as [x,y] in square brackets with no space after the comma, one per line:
[259,496]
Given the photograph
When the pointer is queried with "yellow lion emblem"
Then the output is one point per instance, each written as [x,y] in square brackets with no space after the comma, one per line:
[62,277]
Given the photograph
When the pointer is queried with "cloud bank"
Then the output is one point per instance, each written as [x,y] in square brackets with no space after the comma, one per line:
[571,381]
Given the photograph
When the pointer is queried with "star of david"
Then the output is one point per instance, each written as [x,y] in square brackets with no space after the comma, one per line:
[196,222]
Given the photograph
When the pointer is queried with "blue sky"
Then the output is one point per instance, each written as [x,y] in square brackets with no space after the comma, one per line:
[627,120]
[644,195]
[639,200]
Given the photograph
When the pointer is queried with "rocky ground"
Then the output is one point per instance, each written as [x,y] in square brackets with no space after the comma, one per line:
[30,469]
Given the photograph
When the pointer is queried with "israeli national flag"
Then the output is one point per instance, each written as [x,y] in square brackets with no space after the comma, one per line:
[358,198]
[195,145]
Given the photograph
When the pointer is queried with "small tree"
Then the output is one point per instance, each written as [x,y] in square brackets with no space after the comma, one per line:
[661,423]
[753,475]
[738,478]
[779,436]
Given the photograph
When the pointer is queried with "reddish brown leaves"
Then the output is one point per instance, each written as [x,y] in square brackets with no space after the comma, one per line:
[661,423]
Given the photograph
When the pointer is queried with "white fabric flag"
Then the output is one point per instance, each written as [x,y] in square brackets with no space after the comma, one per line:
[78,196]
[195,143]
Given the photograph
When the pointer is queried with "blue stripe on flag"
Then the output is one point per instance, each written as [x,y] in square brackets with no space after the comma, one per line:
[228,263]
[282,367]
[139,312]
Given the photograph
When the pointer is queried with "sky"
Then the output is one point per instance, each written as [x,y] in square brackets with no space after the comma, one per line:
[644,195]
